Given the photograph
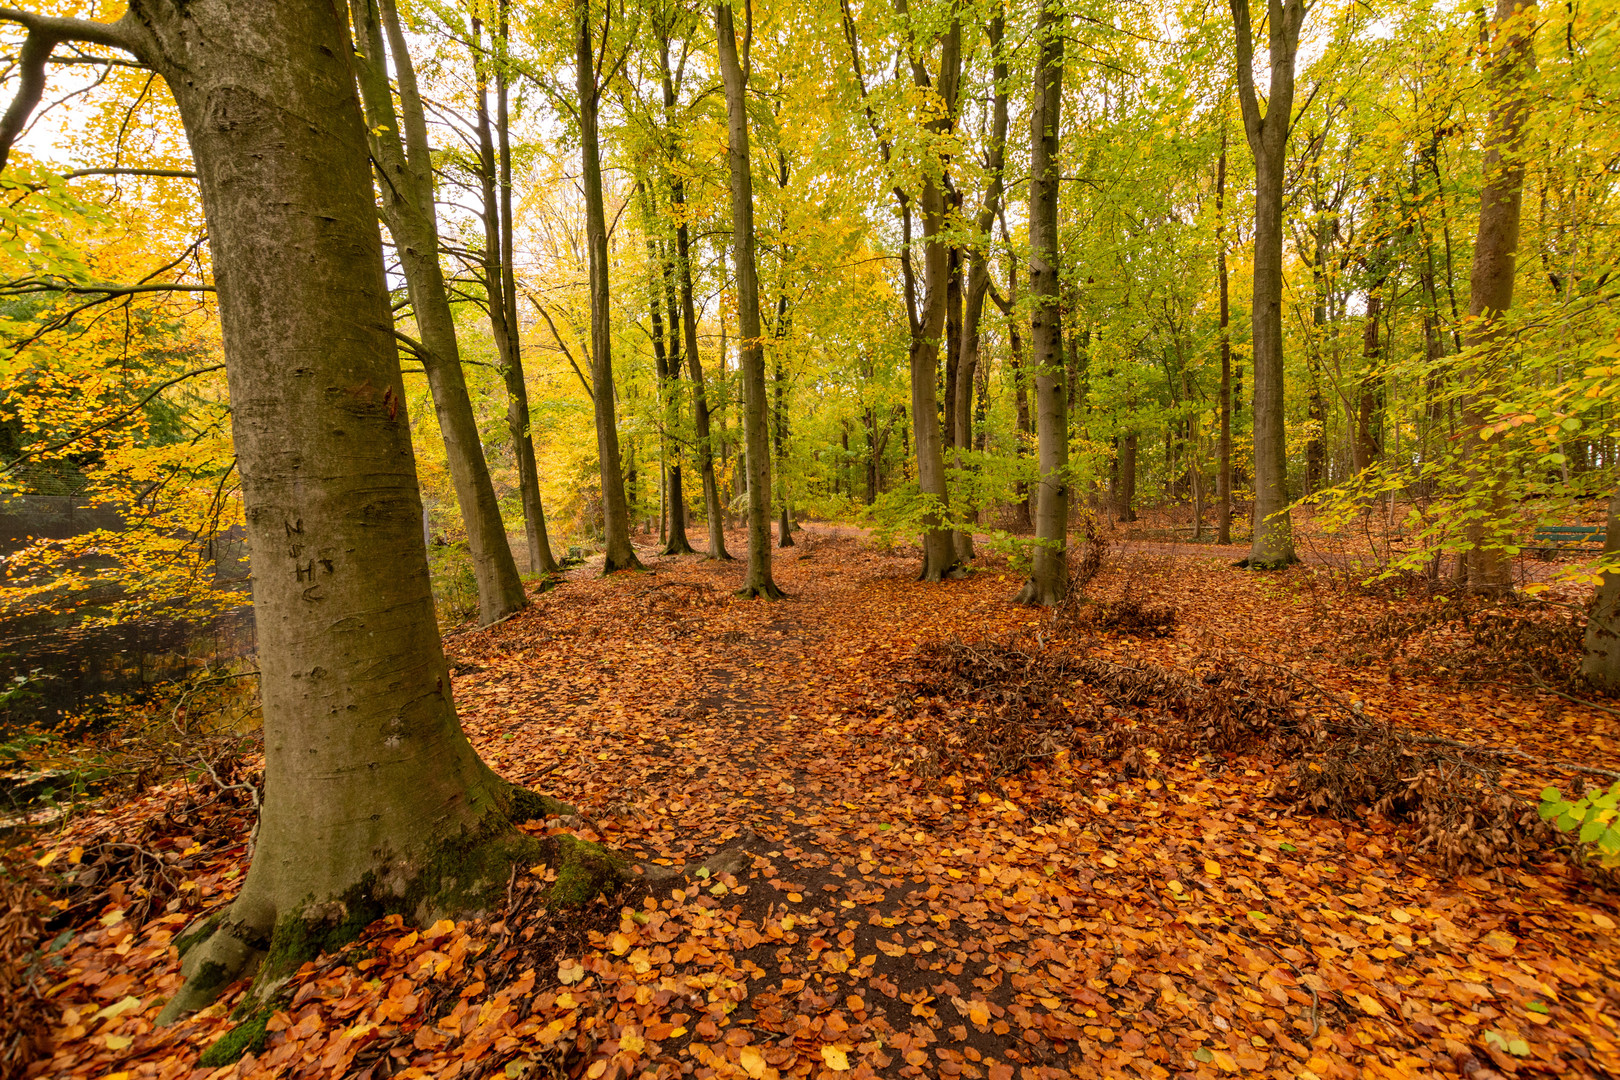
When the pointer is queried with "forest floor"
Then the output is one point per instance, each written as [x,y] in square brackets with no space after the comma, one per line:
[892,904]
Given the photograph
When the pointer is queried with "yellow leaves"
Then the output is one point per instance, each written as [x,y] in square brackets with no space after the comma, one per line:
[752,1063]
[1212,868]
[835,1058]
[619,943]
[1370,1005]
[570,972]
[1499,942]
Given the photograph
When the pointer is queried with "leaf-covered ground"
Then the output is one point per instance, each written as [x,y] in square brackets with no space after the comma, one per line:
[1077,919]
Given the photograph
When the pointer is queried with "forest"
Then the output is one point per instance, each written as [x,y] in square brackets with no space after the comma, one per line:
[1005,539]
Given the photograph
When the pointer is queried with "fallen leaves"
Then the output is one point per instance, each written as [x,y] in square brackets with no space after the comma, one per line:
[1144,918]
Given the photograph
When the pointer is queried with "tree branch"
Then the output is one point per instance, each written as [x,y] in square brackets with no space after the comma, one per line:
[45,33]
[31,451]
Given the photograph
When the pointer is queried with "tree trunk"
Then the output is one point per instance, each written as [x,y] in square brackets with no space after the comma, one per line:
[1601,665]
[1273,544]
[615,506]
[751,351]
[369,778]
[402,162]
[1049,573]
[501,291]
[1127,477]
[978,275]
[714,511]
[1490,291]
[1368,398]
[1223,482]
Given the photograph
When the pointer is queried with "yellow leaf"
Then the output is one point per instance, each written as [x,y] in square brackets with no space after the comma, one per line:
[1369,1005]
[565,1000]
[619,943]
[570,972]
[835,1058]
[633,1043]
[405,942]
[75,855]
[597,1068]
[752,1063]
[1226,1061]
[118,1042]
[1212,868]
[439,929]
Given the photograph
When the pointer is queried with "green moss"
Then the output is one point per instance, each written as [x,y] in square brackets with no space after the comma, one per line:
[250,1034]
[584,871]
[526,805]
[305,934]
[190,939]
[211,978]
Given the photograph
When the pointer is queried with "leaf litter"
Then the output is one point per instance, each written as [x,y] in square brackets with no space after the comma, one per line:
[898,829]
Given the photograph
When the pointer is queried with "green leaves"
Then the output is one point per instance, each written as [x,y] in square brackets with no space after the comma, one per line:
[1592,818]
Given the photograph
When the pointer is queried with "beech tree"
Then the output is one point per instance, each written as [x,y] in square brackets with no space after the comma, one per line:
[374,800]
[1273,543]
[399,151]
[751,346]
[615,506]
[1049,574]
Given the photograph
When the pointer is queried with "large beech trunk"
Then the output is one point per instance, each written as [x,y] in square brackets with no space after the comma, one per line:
[615,504]
[374,800]
[1490,293]
[750,348]
[1273,544]
[408,208]
[1049,576]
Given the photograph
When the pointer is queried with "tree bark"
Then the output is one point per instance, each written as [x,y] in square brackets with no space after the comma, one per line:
[1601,664]
[1223,482]
[1490,293]
[1273,544]
[978,275]
[374,800]
[399,150]
[615,505]
[1127,477]
[1049,574]
[750,345]
[713,509]
[500,283]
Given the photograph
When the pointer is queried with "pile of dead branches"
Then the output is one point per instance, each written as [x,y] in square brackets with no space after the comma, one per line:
[1477,640]
[26,1016]
[999,707]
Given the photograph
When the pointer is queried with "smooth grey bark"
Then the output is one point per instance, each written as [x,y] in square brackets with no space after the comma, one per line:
[1223,482]
[939,551]
[1273,544]
[369,779]
[400,153]
[1601,664]
[978,275]
[751,343]
[500,285]
[1490,293]
[702,425]
[1049,573]
[615,506]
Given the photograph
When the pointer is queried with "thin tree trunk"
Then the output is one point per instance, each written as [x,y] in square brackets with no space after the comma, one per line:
[620,555]
[978,275]
[1049,576]
[399,149]
[714,511]
[1273,544]
[751,351]
[1127,477]
[1490,293]
[501,290]
[1223,526]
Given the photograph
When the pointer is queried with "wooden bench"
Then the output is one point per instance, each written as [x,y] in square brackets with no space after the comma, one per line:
[1550,540]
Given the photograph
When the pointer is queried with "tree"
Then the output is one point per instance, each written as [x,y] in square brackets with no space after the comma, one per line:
[500,282]
[751,346]
[399,150]
[1601,664]
[1223,483]
[374,800]
[1267,132]
[1490,291]
[615,506]
[1049,574]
